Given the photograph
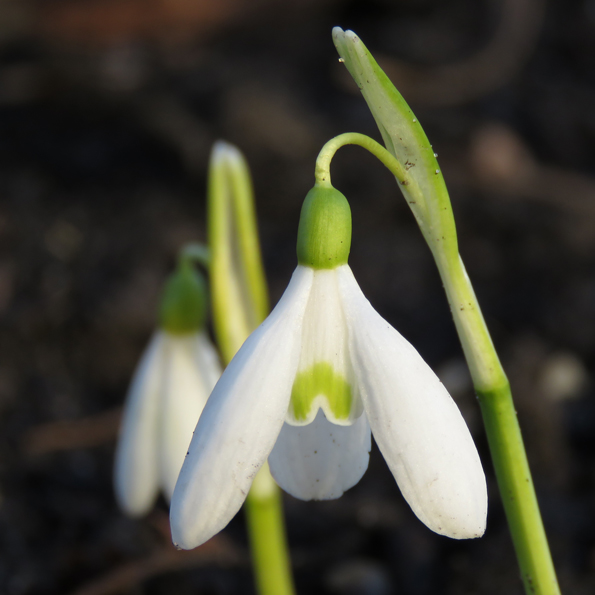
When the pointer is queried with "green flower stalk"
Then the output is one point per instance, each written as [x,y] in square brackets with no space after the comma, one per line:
[240,304]
[410,157]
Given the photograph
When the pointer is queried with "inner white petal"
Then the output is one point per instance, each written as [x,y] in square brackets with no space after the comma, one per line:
[325,378]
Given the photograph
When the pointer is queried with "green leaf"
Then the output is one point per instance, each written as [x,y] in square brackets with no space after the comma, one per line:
[238,285]
[404,137]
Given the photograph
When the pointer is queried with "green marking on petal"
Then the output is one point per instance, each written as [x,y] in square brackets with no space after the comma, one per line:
[320,380]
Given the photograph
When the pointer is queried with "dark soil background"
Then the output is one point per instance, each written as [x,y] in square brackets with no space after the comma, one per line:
[108,111]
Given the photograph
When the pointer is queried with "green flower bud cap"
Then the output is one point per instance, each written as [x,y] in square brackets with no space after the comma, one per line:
[324,233]
[184,301]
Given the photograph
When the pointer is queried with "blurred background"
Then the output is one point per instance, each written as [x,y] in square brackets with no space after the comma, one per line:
[108,111]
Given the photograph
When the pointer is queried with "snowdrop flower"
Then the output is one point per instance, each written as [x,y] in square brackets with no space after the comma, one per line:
[307,387]
[168,392]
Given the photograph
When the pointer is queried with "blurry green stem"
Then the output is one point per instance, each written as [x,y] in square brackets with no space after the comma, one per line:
[491,385]
[268,542]
[240,304]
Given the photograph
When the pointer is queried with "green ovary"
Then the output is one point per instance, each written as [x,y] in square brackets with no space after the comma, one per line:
[320,380]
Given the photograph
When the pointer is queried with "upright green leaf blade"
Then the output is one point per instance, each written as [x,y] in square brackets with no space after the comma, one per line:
[404,137]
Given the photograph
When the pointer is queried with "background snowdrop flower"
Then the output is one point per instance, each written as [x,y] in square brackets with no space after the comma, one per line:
[307,387]
[168,392]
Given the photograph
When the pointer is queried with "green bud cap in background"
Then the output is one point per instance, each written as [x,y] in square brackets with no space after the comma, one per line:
[324,233]
[184,301]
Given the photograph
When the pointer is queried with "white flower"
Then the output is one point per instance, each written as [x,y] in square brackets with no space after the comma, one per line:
[168,392]
[304,391]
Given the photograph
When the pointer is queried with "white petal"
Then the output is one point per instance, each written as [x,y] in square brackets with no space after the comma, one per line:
[416,424]
[136,479]
[321,460]
[325,349]
[240,422]
[184,393]
[207,360]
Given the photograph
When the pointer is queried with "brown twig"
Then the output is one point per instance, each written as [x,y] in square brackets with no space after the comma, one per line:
[219,550]
[68,435]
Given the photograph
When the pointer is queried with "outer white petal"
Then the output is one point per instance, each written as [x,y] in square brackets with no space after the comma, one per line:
[416,424]
[241,421]
[321,460]
[136,479]
[185,391]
